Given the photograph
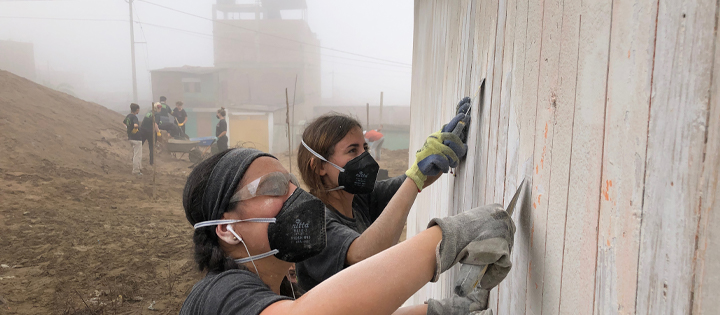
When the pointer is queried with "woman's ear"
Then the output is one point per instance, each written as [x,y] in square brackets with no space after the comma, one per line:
[223,233]
[318,170]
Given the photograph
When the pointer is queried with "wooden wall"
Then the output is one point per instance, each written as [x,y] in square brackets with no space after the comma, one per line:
[614,104]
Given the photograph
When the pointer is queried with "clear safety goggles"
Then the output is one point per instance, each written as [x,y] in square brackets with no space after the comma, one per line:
[272,184]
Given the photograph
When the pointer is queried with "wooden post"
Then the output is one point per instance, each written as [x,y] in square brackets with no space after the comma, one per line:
[152,147]
[287,121]
[381,105]
[367,112]
[292,134]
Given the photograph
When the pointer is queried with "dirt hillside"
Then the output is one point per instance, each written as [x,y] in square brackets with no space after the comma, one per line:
[78,233]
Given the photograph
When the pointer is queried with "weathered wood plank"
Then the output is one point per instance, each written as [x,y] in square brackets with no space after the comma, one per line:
[496,96]
[427,73]
[520,147]
[626,117]
[542,157]
[707,270]
[496,147]
[486,49]
[578,276]
[676,141]
[527,145]
[509,121]
[562,107]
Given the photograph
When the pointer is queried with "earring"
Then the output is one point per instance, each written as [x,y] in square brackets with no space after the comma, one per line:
[234,238]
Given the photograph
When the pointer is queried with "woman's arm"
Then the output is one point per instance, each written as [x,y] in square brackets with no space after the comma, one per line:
[377,285]
[412,310]
[387,228]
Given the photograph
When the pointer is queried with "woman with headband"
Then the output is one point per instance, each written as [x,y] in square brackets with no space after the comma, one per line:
[252,222]
[366,217]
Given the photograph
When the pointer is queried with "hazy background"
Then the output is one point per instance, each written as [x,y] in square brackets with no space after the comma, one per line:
[90,39]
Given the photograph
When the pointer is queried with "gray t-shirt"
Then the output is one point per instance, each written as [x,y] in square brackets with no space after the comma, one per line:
[342,231]
[230,292]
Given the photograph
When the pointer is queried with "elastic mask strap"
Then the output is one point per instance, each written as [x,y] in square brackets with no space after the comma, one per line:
[220,222]
[256,257]
[336,188]
[320,156]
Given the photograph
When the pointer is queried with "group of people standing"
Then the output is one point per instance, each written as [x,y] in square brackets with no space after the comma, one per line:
[164,119]
[252,222]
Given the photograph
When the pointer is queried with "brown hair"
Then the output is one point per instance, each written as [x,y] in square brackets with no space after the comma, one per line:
[322,135]
[221,111]
[134,107]
[179,103]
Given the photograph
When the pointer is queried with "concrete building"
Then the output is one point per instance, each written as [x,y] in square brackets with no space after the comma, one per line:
[261,49]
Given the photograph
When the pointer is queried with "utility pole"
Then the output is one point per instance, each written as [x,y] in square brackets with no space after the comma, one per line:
[132,52]
[287,120]
[381,101]
[367,113]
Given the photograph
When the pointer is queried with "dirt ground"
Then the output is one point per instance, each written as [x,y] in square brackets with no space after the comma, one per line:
[78,233]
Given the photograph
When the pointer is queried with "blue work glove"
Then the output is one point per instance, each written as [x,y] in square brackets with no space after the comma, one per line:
[434,157]
[459,126]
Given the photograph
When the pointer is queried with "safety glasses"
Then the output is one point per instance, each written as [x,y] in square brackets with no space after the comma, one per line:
[272,184]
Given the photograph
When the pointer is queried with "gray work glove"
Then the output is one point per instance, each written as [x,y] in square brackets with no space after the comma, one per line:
[481,236]
[456,305]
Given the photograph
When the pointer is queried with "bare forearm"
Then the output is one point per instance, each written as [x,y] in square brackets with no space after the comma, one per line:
[388,227]
[381,283]
[412,310]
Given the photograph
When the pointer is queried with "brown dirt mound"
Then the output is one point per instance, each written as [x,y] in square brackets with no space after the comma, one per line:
[78,233]
[40,126]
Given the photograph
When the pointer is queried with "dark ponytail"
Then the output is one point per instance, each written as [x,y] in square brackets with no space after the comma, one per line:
[208,254]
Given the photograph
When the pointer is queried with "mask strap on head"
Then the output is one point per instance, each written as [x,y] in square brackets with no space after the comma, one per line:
[320,156]
[220,222]
[250,258]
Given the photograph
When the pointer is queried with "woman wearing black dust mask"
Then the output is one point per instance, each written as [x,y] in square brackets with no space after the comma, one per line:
[251,222]
[365,217]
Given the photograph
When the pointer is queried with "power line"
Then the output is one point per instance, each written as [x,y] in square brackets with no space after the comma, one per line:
[211,36]
[61,19]
[276,36]
[190,32]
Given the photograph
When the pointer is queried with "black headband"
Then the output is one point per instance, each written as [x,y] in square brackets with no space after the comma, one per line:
[224,179]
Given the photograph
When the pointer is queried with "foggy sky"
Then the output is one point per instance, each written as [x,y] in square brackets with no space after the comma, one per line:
[100,50]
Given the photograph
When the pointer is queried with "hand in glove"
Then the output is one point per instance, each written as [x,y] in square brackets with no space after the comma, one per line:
[135,130]
[459,126]
[181,124]
[433,158]
[159,134]
[456,305]
[481,236]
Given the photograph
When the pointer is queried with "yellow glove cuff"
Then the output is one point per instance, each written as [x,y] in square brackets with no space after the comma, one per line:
[418,177]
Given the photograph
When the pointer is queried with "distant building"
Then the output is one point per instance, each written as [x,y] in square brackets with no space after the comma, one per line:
[261,47]
[18,58]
